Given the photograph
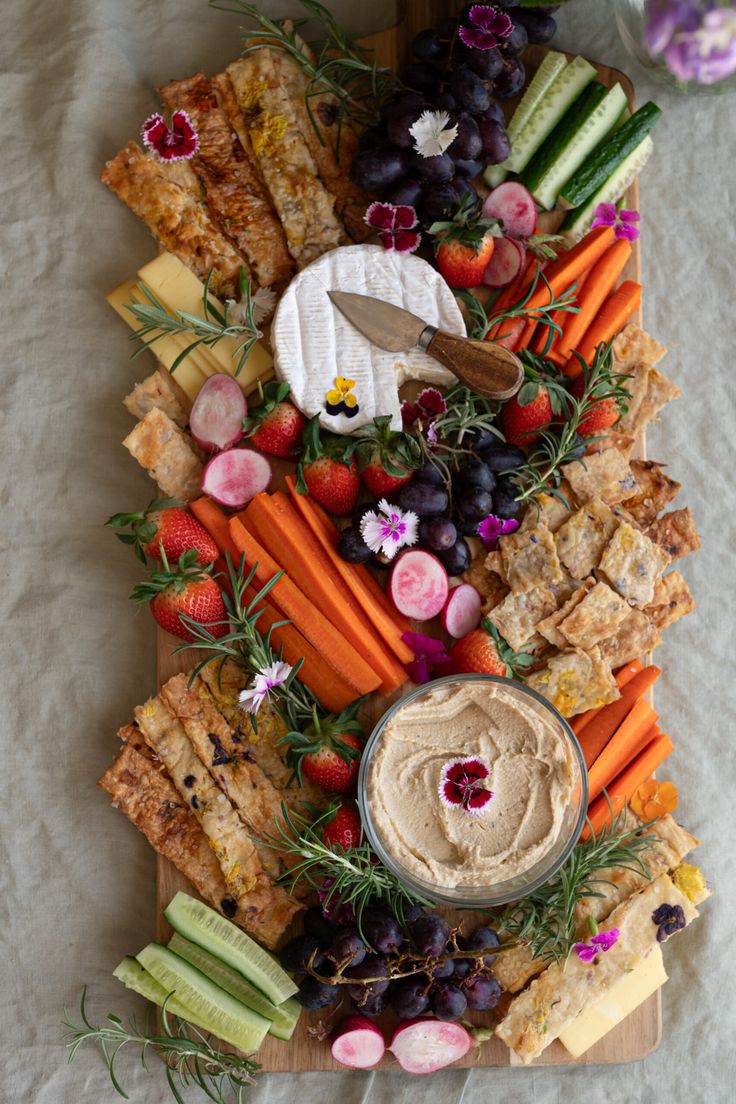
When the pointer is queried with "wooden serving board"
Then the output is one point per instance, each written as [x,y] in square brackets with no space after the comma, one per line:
[640,1032]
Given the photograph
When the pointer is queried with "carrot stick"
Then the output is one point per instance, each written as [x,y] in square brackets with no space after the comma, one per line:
[630,737]
[604,276]
[511,295]
[570,265]
[310,621]
[624,675]
[275,523]
[388,622]
[599,731]
[627,783]
[612,317]
[215,521]
[561,317]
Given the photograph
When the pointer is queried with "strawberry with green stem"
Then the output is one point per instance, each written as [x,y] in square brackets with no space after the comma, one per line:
[484,651]
[464,245]
[275,426]
[184,596]
[342,825]
[328,470]
[387,459]
[541,397]
[164,524]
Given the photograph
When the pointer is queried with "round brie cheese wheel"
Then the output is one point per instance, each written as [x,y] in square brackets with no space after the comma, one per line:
[314,344]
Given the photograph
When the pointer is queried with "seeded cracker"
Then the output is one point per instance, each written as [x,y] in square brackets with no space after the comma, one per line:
[518,614]
[605,475]
[549,508]
[672,600]
[634,637]
[530,559]
[632,563]
[595,618]
[549,626]
[655,491]
[583,537]
[675,533]
[635,353]
[575,681]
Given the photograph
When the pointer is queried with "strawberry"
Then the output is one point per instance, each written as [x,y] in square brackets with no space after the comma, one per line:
[328,751]
[188,590]
[602,414]
[275,426]
[328,470]
[387,458]
[539,400]
[165,524]
[465,245]
[343,829]
[484,651]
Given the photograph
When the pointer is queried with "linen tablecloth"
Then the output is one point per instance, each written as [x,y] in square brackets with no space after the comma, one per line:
[77,884]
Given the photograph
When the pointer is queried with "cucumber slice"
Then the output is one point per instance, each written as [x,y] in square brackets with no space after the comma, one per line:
[135,977]
[592,175]
[283,1017]
[579,220]
[561,94]
[205,927]
[216,1010]
[583,127]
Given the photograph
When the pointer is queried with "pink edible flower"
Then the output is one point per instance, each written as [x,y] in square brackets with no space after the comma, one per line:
[489,27]
[388,528]
[428,654]
[603,941]
[463,784]
[395,225]
[266,680]
[425,410]
[622,221]
[492,527]
[178,142]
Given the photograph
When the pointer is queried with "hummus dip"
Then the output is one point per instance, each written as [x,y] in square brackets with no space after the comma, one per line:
[532,778]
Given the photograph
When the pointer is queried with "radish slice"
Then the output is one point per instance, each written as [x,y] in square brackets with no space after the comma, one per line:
[462,610]
[216,421]
[505,263]
[514,206]
[357,1043]
[234,477]
[423,1046]
[418,584]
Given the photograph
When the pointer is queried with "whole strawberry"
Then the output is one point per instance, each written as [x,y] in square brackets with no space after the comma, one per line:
[343,829]
[387,458]
[275,426]
[464,246]
[328,470]
[602,414]
[484,651]
[188,590]
[540,399]
[164,524]
[328,751]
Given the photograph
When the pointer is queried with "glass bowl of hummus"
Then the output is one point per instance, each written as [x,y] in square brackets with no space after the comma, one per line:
[473,790]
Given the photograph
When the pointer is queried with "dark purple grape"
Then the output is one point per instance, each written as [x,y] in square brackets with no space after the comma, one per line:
[401,102]
[500,457]
[372,966]
[317,925]
[420,76]
[467,143]
[381,929]
[407,192]
[468,170]
[295,954]
[510,80]
[428,45]
[360,511]
[373,1006]
[352,548]
[377,169]
[347,948]
[466,528]
[486,64]
[429,473]
[475,474]
[412,913]
[437,170]
[314,994]
[447,1001]
[496,144]
[441,201]
[456,559]
[429,934]
[478,439]
[409,997]
[424,499]
[462,967]
[437,533]
[482,992]
[479,939]
[475,504]
[517,42]
[494,111]
[469,91]
[443,969]
[505,503]
[444,101]
[540,28]
[397,127]
[371,138]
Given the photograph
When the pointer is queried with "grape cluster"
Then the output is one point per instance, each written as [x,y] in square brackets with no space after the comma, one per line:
[447,75]
[445,988]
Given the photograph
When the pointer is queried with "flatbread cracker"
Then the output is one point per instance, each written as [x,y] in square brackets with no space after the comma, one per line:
[167,453]
[574,681]
[635,352]
[548,626]
[530,559]
[549,508]
[582,538]
[595,617]
[632,563]
[518,614]
[655,490]
[672,600]
[161,391]
[612,439]
[675,533]
[635,636]
[605,475]
[659,391]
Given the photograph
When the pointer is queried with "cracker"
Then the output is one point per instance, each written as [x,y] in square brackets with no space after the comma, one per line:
[517,616]
[613,439]
[635,353]
[660,390]
[548,626]
[632,563]
[672,600]
[159,390]
[487,580]
[583,537]
[605,475]
[655,490]
[675,533]
[595,617]
[574,681]
[549,508]
[167,454]
[530,559]
[634,637]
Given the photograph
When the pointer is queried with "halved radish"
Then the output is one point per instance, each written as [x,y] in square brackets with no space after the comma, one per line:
[234,477]
[423,1046]
[357,1043]
[462,610]
[216,421]
[418,584]
[505,264]
[514,206]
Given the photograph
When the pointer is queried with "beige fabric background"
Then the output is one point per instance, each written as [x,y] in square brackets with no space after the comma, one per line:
[76,888]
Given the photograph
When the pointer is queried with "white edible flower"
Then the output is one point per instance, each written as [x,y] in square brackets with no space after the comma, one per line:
[262,304]
[431,133]
[275,674]
[388,529]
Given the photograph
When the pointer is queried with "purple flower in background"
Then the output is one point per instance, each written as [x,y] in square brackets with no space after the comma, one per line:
[603,941]
[664,17]
[489,27]
[492,527]
[622,221]
[428,654]
[697,40]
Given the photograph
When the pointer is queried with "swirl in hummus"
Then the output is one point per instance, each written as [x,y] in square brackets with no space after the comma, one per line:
[532,779]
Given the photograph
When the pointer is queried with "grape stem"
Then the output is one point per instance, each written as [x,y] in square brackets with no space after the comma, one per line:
[396,972]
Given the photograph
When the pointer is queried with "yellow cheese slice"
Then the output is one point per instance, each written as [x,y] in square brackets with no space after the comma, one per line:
[622,998]
[198,357]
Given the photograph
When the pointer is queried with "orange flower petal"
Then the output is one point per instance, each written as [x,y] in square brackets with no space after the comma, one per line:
[653,809]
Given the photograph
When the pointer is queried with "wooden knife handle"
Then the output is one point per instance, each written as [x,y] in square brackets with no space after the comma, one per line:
[485,367]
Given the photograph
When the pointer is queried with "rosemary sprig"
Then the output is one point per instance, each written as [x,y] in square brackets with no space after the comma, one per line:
[191,1056]
[545,920]
[483,318]
[157,322]
[465,411]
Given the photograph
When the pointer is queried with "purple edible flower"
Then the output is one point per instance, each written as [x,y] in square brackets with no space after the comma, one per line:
[603,941]
[489,27]
[622,221]
[428,652]
[177,142]
[395,225]
[663,18]
[669,919]
[493,527]
[331,907]
[696,39]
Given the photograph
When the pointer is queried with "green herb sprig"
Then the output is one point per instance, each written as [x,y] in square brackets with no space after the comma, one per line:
[483,318]
[191,1057]
[466,411]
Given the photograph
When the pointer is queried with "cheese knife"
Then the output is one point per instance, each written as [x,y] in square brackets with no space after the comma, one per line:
[484,367]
